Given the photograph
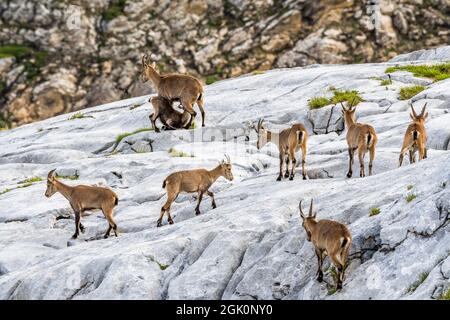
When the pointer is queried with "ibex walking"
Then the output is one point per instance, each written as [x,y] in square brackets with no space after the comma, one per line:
[187,89]
[83,198]
[170,118]
[329,238]
[359,136]
[197,180]
[415,137]
[288,141]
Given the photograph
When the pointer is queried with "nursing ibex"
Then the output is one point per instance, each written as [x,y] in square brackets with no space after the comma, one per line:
[169,117]
[415,137]
[187,89]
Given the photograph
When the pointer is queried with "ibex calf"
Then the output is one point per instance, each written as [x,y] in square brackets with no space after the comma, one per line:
[82,198]
[415,137]
[169,117]
[198,180]
[288,141]
[329,238]
[187,89]
[359,136]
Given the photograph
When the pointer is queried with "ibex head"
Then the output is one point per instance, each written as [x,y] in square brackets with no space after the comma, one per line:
[309,220]
[262,134]
[421,117]
[51,189]
[146,65]
[225,167]
[350,111]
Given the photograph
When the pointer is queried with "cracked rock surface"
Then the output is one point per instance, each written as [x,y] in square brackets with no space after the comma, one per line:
[252,246]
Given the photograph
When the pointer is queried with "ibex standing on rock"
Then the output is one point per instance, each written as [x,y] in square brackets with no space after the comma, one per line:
[197,180]
[83,198]
[415,137]
[187,89]
[329,238]
[288,141]
[359,136]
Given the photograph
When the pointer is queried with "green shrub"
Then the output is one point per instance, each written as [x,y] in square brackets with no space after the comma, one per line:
[386,82]
[351,96]
[318,102]
[409,92]
[115,9]
[5,191]
[409,187]
[14,50]
[436,72]
[374,212]
[211,79]
[31,180]
[445,295]
[410,197]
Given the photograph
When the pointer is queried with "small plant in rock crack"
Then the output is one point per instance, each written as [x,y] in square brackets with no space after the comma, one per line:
[318,102]
[409,187]
[374,212]
[422,277]
[179,154]
[79,115]
[5,191]
[30,181]
[410,91]
[445,295]
[410,197]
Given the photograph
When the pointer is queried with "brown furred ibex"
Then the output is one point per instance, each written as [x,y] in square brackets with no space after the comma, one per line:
[288,141]
[415,137]
[359,136]
[169,117]
[197,180]
[82,198]
[329,238]
[187,89]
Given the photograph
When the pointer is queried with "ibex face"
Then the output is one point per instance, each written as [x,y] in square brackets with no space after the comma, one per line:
[51,189]
[226,169]
[309,220]
[421,118]
[349,114]
[145,67]
[262,134]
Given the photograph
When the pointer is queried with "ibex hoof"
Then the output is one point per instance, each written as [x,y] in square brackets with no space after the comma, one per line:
[291,178]
[157,130]
[170,221]
[203,125]
[279,178]
[214,206]
[158,224]
[105,236]
[286,175]
[320,278]
[349,175]
[339,286]
[304,177]
[197,212]
[74,236]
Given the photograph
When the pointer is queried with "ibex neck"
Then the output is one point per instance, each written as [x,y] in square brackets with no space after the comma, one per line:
[348,120]
[215,173]
[154,76]
[64,189]
[273,137]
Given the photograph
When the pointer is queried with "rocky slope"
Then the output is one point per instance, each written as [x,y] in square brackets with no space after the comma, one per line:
[62,56]
[252,246]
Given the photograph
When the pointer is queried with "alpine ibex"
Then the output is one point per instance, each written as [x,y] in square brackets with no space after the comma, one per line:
[197,180]
[359,136]
[187,89]
[169,117]
[329,238]
[288,141]
[415,137]
[83,198]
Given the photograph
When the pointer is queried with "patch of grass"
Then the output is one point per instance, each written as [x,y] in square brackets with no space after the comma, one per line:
[409,187]
[72,177]
[386,82]
[79,115]
[14,50]
[114,10]
[5,191]
[351,96]
[211,79]
[410,197]
[436,72]
[445,295]
[6,120]
[33,60]
[256,72]
[318,102]
[374,212]
[121,136]
[331,290]
[162,266]
[179,154]
[25,185]
[409,92]
[31,180]
[422,277]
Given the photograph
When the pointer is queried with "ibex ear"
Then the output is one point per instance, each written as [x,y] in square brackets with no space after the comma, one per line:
[154,65]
